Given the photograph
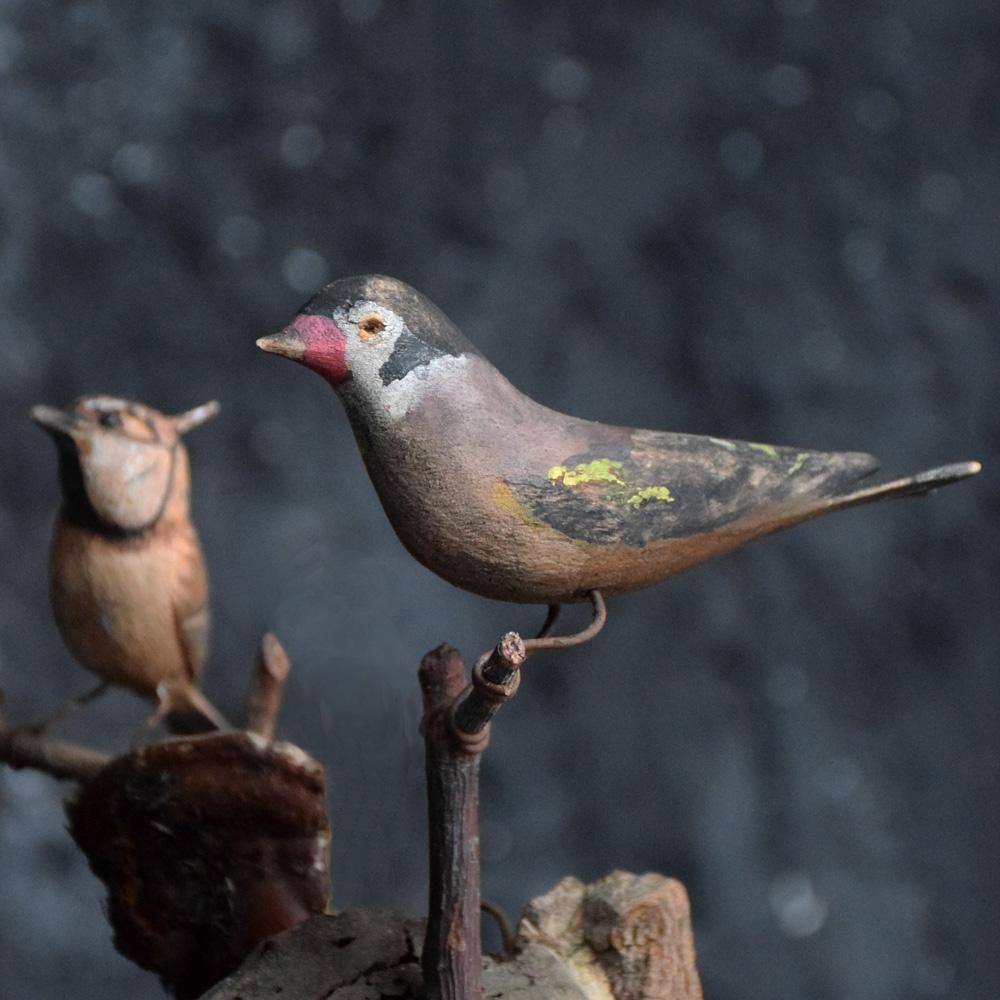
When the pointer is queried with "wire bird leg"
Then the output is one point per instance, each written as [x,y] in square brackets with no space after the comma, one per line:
[546,641]
[67,709]
[550,621]
[507,939]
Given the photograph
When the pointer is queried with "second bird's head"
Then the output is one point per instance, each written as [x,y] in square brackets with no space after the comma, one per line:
[371,337]
[121,464]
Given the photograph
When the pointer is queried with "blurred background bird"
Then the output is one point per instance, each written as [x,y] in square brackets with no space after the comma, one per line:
[128,581]
[509,499]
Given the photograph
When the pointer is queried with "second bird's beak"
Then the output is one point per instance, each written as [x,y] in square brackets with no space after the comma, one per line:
[190,419]
[288,343]
[56,421]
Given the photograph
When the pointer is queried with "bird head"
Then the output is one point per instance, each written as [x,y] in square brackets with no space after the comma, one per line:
[121,463]
[368,335]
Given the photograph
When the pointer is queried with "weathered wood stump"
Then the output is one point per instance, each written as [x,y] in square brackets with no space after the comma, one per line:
[624,937]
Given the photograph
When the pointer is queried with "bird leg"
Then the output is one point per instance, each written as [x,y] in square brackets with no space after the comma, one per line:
[507,939]
[67,709]
[545,641]
[550,621]
[185,709]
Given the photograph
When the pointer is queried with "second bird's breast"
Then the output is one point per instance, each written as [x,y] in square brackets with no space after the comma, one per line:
[119,603]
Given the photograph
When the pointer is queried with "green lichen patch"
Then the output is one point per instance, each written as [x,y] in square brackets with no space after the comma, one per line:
[767,449]
[600,470]
[641,497]
[800,460]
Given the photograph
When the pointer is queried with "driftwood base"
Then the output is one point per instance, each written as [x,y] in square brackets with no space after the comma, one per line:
[624,937]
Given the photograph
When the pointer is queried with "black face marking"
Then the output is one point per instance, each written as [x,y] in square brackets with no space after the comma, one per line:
[76,508]
[409,353]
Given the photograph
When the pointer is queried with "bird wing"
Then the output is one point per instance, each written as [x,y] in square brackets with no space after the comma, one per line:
[652,485]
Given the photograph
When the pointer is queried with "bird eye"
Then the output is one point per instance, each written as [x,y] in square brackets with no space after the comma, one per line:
[370,326]
[110,418]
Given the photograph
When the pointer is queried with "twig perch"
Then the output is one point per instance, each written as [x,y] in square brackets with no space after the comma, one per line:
[452,956]
[456,726]
[21,748]
[267,687]
[495,679]
[456,731]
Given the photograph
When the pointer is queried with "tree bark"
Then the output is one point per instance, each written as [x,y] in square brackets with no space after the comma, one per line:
[452,955]
[624,937]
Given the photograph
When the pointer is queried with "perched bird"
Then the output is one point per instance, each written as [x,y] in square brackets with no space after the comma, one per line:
[509,499]
[128,581]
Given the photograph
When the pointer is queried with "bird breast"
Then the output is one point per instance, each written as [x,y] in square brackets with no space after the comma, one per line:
[118,601]
[440,474]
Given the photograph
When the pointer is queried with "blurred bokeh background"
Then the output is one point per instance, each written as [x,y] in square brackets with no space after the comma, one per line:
[767,219]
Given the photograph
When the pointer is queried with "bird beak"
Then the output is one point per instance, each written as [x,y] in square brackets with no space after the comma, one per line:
[190,419]
[288,343]
[56,421]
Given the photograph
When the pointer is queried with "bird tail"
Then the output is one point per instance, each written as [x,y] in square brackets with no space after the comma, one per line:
[910,486]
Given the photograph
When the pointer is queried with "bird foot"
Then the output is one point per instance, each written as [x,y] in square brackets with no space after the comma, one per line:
[507,937]
[544,640]
[185,710]
[550,621]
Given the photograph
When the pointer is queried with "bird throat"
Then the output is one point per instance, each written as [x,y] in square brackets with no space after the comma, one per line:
[78,510]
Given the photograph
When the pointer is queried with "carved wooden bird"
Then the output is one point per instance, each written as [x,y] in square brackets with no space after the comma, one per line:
[128,581]
[509,499]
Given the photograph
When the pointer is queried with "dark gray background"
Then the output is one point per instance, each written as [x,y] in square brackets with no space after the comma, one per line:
[770,220]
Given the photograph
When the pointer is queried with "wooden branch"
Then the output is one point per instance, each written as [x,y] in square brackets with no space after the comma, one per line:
[495,679]
[21,748]
[267,687]
[452,955]
[456,731]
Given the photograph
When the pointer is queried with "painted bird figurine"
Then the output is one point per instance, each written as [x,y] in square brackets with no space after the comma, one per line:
[509,499]
[128,582]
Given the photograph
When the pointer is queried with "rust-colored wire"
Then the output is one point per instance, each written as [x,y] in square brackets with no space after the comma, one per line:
[545,641]
[507,939]
[550,621]
[497,674]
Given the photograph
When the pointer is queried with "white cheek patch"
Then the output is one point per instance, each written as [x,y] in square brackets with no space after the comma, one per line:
[385,404]
[400,396]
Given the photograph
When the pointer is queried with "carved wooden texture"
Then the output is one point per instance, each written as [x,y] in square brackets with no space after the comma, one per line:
[452,959]
[624,937]
[634,931]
